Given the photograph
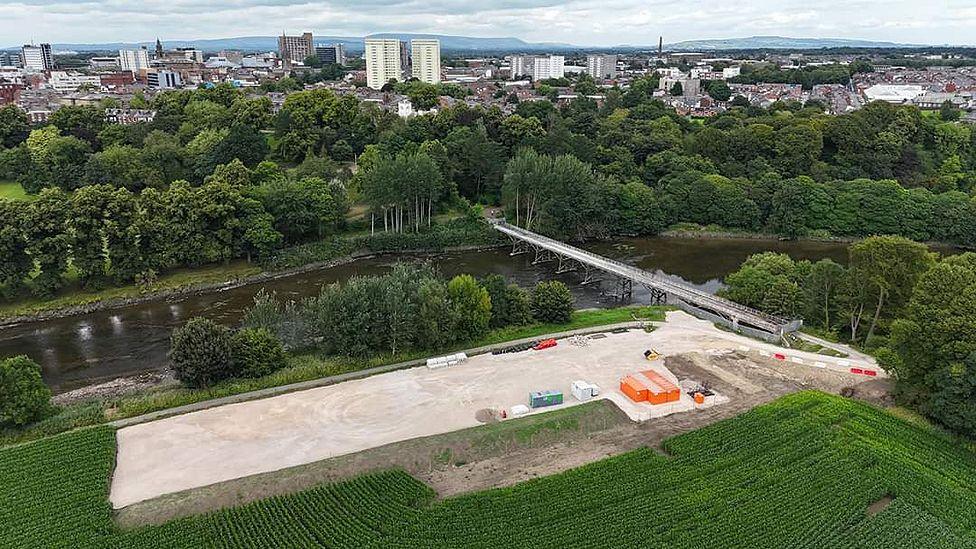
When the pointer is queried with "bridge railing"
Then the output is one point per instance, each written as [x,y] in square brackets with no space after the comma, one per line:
[639,275]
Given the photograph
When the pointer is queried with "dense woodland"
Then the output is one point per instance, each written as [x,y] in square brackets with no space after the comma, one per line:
[218,176]
[912,309]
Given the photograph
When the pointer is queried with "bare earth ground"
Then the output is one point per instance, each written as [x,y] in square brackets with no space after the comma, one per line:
[501,454]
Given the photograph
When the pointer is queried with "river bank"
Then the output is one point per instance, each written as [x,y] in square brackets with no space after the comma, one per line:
[698,232]
[207,279]
[109,343]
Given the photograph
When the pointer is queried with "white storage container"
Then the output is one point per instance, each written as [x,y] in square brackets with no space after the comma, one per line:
[584,391]
[520,410]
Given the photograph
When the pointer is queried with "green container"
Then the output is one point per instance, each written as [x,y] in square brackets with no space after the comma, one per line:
[545,398]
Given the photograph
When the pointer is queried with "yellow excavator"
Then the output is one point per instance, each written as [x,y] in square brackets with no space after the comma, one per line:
[652,354]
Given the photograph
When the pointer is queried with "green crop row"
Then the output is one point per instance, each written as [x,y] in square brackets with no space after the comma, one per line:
[800,472]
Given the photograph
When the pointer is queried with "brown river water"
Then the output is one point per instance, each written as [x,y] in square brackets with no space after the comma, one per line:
[91,348]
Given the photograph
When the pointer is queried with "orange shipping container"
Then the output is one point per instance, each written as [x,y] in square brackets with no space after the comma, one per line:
[669,391]
[635,389]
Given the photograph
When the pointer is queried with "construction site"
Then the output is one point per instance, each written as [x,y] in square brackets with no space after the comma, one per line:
[651,374]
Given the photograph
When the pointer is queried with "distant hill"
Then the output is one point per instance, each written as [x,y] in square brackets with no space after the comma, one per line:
[352,43]
[783,43]
[503,44]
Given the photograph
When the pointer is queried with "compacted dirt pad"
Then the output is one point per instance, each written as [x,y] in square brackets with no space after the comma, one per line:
[239,440]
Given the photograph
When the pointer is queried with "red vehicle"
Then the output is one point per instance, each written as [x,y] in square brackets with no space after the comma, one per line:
[545,344]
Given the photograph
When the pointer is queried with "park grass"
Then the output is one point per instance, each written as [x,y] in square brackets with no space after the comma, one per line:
[300,367]
[178,280]
[12,190]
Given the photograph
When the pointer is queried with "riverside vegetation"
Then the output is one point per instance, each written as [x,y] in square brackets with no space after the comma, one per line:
[915,311]
[429,315]
[216,176]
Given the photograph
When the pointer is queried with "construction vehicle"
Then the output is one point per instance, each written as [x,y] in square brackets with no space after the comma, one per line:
[652,354]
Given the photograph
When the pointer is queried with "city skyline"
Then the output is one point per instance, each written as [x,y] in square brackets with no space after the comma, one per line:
[583,23]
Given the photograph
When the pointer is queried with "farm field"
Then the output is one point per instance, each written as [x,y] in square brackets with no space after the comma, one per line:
[808,470]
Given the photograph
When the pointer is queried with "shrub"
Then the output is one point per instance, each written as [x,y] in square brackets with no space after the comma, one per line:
[24,398]
[552,302]
[201,352]
[519,306]
[256,352]
[471,305]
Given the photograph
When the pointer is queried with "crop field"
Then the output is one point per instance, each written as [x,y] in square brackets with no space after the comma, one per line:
[800,472]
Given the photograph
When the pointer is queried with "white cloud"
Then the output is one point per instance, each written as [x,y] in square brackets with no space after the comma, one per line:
[584,22]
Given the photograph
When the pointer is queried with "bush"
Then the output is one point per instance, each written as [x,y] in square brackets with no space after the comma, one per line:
[552,302]
[24,398]
[201,352]
[256,352]
[519,306]
[471,305]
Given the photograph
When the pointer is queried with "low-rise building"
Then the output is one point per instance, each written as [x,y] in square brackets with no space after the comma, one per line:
[65,82]
[129,116]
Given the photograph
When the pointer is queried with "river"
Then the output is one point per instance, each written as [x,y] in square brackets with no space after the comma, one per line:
[85,349]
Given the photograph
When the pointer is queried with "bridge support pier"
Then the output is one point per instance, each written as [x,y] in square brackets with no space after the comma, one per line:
[588,277]
[519,247]
[658,297]
[566,265]
[542,255]
[623,289]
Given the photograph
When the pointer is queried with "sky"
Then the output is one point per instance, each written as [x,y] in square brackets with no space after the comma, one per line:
[580,22]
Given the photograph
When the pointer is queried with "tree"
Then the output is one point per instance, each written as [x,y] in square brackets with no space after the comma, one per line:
[46,231]
[677,89]
[471,305]
[821,288]
[890,266]
[16,264]
[244,143]
[949,112]
[552,302]
[256,352]
[14,126]
[83,122]
[24,398]
[202,352]
[719,90]
[435,318]
[497,290]
[933,348]
[740,101]
[519,306]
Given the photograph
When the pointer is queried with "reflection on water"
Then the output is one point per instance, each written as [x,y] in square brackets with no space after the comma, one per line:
[83,349]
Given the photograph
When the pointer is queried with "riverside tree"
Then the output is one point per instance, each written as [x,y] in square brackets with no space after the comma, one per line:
[24,398]
[202,352]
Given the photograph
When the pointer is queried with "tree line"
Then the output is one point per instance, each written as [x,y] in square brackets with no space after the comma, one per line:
[411,308]
[103,234]
[915,311]
[627,165]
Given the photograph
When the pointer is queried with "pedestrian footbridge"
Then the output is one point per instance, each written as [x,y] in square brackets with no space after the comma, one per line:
[702,304]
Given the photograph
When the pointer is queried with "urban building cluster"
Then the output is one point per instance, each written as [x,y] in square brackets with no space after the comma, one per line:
[31,78]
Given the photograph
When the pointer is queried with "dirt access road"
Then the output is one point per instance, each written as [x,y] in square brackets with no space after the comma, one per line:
[239,440]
